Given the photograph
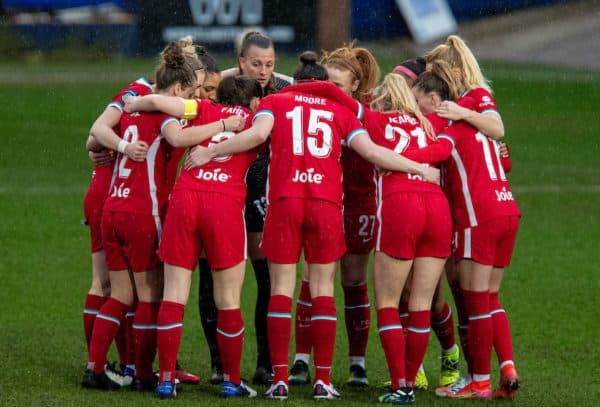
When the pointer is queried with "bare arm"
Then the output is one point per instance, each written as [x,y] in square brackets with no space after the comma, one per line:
[102,131]
[489,123]
[389,160]
[191,136]
[244,141]
[170,105]
[92,145]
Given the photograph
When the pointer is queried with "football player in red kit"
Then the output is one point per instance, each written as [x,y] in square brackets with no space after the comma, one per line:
[131,226]
[414,231]
[305,210]
[206,214]
[486,222]
[92,207]
[107,125]
[355,71]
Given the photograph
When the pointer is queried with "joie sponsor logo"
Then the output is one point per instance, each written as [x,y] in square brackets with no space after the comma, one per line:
[504,195]
[213,175]
[307,177]
[119,191]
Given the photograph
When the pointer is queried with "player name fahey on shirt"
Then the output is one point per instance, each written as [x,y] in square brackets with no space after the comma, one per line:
[310,100]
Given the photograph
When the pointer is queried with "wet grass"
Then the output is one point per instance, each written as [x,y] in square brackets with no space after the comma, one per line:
[550,290]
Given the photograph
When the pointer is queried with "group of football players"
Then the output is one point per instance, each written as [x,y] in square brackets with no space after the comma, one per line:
[321,168]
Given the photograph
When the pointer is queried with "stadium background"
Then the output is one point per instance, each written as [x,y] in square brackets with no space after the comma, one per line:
[55,78]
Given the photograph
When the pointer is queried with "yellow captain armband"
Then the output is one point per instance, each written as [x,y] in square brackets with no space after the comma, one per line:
[190,109]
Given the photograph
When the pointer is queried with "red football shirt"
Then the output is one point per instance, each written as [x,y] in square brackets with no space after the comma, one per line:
[306,143]
[475,178]
[401,133]
[142,187]
[482,100]
[227,174]
[360,187]
[102,175]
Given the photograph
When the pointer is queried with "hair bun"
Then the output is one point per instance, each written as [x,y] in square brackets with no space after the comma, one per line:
[309,58]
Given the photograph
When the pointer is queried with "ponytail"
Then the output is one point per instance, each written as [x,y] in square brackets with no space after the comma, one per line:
[395,95]
[456,52]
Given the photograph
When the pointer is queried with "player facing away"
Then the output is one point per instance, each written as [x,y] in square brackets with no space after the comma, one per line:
[480,195]
[356,72]
[106,127]
[467,81]
[93,204]
[305,211]
[131,226]
[206,214]
[414,231]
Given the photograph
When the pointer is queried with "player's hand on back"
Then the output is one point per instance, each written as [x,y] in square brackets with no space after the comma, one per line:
[137,151]
[198,157]
[234,123]
[450,110]
[504,151]
[430,174]
[131,104]
[102,158]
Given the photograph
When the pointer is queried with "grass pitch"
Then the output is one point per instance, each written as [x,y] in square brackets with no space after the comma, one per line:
[550,291]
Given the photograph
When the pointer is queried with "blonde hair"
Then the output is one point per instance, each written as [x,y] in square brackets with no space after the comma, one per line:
[190,53]
[361,64]
[456,52]
[443,70]
[395,96]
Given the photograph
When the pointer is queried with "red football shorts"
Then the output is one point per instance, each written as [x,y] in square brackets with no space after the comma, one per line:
[200,220]
[414,225]
[130,241]
[489,243]
[93,204]
[293,224]
[359,228]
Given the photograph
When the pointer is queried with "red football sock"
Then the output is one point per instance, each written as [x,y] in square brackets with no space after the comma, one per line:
[463,321]
[480,332]
[105,328]
[403,312]
[90,310]
[443,326]
[124,339]
[169,328]
[129,339]
[144,334]
[416,342]
[463,335]
[391,335]
[230,339]
[502,335]
[279,328]
[357,314]
[323,325]
[302,321]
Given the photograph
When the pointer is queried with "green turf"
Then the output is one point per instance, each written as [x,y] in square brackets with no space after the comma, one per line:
[550,291]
